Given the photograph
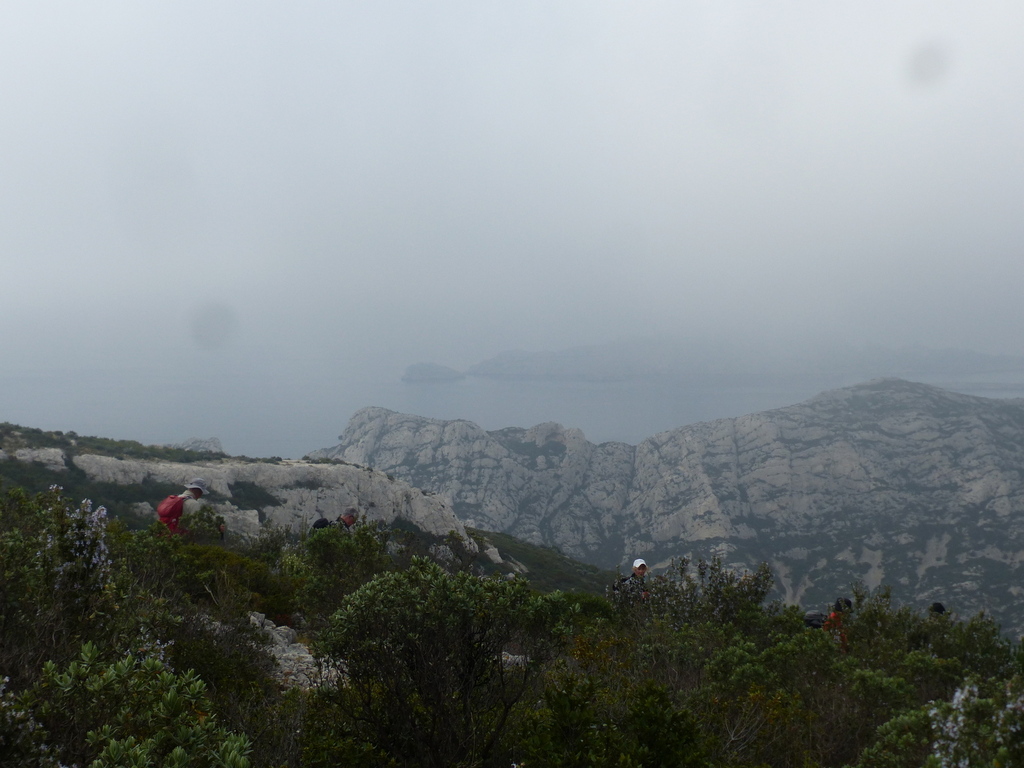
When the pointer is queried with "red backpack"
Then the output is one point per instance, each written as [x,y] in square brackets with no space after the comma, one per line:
[169,511]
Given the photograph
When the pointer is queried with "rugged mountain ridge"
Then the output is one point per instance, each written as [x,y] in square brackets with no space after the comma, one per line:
[888,482]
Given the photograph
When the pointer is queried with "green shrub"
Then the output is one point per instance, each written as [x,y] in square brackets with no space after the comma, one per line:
[576,728]
[435,663]
[131,712]
[974,729]
[332,563]
[58,582]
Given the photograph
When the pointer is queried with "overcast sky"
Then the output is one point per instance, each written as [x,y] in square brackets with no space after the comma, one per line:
[281,196]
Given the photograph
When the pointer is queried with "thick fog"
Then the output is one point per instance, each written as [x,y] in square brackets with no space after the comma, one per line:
[245,220]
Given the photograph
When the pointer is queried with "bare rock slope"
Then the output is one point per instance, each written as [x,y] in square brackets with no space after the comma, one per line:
[888,482]
[290,494]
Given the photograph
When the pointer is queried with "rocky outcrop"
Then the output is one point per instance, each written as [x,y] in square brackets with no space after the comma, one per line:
[51,458]
[289,494]
[546,485]
[888,482]
[295,667]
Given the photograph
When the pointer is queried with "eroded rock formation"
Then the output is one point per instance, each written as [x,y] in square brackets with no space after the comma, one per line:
[888,482]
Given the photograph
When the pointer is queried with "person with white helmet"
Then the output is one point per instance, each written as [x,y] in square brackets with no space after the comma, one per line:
[633,585]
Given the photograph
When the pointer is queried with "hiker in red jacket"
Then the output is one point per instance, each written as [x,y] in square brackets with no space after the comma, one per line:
[834,622]
[173,507]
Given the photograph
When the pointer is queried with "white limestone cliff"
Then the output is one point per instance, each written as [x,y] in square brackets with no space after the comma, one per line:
[305,491]
[888,482]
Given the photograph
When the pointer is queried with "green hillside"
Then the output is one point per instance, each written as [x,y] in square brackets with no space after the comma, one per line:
[124,648]
[546,568]
[13,437]
[432,655]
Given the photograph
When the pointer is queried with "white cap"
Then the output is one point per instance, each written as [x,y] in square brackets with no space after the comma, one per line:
[638,562]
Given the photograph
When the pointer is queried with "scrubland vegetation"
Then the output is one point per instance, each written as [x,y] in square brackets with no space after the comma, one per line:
[132,648]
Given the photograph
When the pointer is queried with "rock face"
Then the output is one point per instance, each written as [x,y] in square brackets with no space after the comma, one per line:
[291,494]
[888,482]
[546,485]
[296,666]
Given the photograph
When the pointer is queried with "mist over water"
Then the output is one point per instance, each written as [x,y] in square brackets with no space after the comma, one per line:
[256,414]
[246,225]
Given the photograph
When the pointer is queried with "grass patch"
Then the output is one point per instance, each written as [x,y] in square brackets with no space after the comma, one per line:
[548,569]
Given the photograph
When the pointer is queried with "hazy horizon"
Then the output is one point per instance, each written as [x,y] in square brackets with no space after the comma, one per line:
[626,410]
[243,220]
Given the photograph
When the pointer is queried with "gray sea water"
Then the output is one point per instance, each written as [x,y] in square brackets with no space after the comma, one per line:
[257,414]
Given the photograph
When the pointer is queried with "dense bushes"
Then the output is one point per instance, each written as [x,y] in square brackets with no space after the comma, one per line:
[434,664]
[131,712]
[73,580]
[58,585]
[122,647]
[331,564]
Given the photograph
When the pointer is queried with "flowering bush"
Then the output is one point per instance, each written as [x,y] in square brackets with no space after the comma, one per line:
[69,576]
[58,584]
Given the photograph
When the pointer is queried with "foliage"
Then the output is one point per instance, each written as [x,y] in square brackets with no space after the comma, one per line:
[714,594]
[905,741]
[581,726]
[436,662]
[24,742]
[132,712]
[439,666]
[549,569]
[13,437]
[203,525]
[57,580]
[332,563]
[976,730]
[69,576]
[268,546]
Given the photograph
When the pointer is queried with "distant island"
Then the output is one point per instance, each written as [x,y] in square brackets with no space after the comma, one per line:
[729,363]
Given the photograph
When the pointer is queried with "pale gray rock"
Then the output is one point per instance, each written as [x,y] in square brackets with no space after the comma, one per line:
[507,480]
[51,458]
[144,509]
[296,666]
[302,492]
[888,483]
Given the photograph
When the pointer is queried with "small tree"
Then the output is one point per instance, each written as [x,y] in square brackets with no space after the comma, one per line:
[332,563]
[434,663]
